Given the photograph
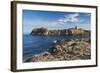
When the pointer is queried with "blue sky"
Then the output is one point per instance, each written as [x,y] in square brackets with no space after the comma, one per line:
[54,20]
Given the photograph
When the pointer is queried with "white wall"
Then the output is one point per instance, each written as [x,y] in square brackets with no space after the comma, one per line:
[5,37]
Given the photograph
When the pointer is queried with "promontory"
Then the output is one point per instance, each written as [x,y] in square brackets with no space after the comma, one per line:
[69,31]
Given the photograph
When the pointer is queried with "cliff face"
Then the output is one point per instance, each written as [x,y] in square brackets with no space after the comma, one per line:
[40,31]
[70,31]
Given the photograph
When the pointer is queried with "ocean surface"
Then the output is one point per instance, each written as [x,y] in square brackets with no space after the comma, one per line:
[33,45]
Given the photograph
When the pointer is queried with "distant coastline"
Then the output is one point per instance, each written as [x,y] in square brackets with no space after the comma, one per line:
[70,31]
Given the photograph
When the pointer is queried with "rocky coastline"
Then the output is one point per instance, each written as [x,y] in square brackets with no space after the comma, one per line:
[68,49]
[65,50]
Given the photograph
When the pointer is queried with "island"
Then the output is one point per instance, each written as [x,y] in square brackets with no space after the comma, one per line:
[70,31]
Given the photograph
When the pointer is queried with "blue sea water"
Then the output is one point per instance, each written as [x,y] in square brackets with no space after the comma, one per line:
[33,45]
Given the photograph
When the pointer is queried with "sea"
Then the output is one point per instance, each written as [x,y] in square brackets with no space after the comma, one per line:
[36,44]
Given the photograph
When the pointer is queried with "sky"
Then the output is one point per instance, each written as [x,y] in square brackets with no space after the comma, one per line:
[54,20]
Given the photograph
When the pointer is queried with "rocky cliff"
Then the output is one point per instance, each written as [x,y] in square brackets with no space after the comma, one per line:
[70,31]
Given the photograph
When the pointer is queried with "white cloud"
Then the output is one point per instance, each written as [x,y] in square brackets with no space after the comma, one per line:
[61,21]
[72,17]
[69,18]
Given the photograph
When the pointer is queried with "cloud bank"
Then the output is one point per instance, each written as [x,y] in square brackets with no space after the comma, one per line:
[69,18]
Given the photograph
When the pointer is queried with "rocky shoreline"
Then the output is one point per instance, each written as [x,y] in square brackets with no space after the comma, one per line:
[73,49]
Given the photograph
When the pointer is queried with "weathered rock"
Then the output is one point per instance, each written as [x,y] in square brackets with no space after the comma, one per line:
[70,31]
[67,50]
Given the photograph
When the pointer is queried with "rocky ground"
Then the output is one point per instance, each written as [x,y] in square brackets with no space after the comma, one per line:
[65,50]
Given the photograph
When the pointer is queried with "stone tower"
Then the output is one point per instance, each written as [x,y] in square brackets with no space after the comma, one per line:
[75,27]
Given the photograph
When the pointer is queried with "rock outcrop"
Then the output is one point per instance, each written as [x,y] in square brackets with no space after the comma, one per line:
[70,31]
[65,50]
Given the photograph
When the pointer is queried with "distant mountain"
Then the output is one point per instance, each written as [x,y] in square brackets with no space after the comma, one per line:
[70,31]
